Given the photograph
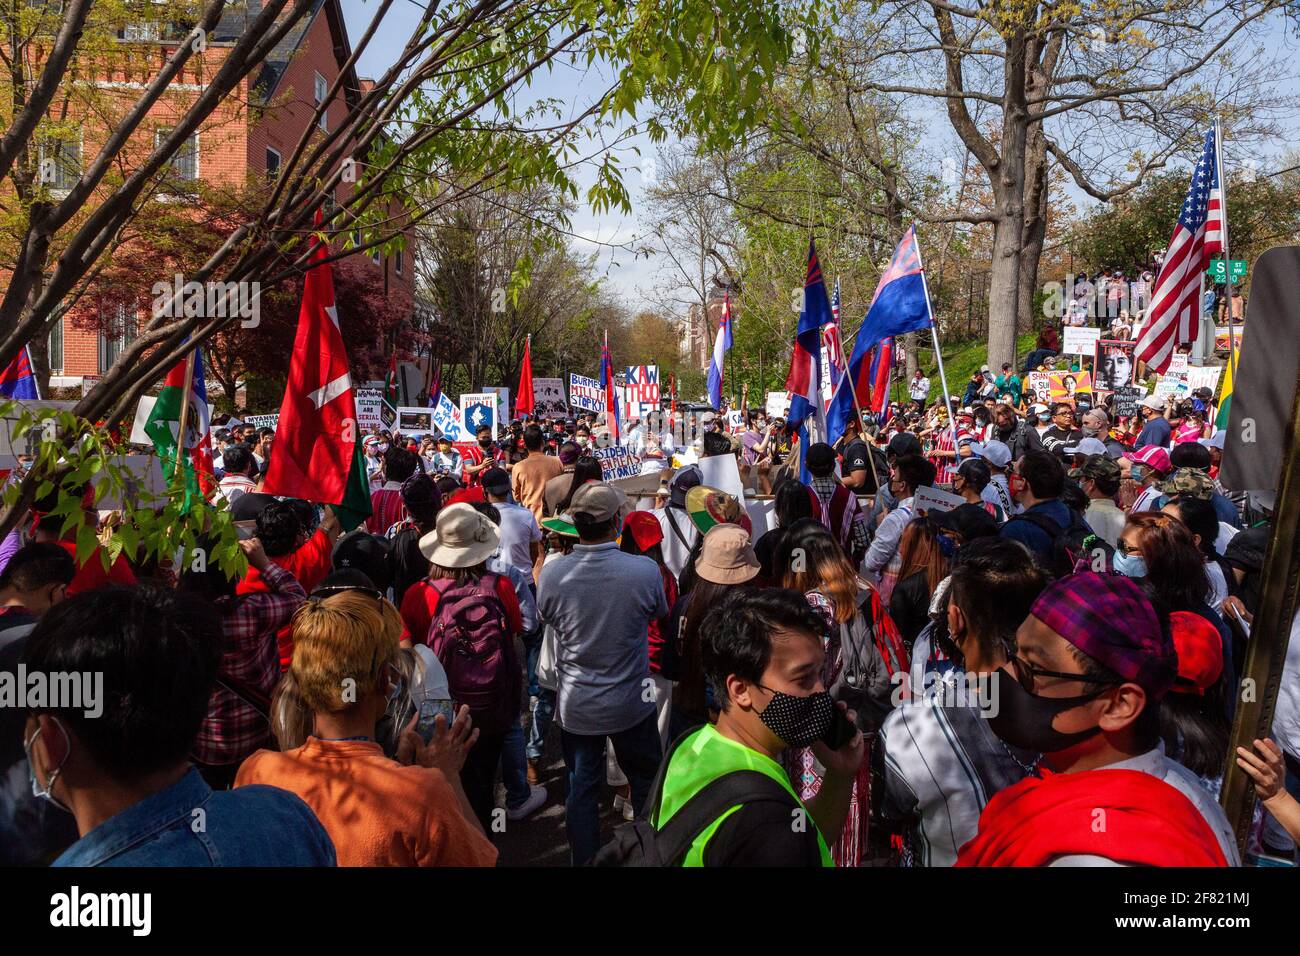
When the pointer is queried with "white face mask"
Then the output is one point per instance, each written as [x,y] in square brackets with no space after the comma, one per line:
[46,792]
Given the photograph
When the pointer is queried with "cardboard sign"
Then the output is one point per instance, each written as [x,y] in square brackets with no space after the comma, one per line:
[369,402]
[479,409]
[585,394]
[617,462]
[1038,386]
[641,391]
[1114,364]
[1080,340]
[935,500]
[778,404]
[735,421]
[548,398]
[503,401]
[262,421]
[414,420]
[1126,401]
[447,420]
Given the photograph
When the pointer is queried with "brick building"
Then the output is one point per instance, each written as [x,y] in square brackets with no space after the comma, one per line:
[701,325]
[251,134]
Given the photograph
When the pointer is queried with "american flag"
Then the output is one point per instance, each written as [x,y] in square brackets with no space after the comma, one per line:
[1174,315]
[832,351]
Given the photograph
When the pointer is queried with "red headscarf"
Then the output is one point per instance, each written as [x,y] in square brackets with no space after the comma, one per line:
[1122,815]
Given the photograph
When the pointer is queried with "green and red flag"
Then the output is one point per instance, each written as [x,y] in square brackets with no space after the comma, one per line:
[164,424]
[317,454]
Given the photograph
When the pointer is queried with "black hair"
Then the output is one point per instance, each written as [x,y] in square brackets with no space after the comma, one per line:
[237,459]
[486,508]
[1201,518]
[278,527]
[399,464]
[447,486]
[38,565]
[976,472]
[1044,473]
[915,471]
[994,584]
[716,443]
[1074,497]
[1190,454]
[737,633]
[158,651]
[1108,485]
[533,438]
[1195,728]
[585,469]
[792,502]
[208,581]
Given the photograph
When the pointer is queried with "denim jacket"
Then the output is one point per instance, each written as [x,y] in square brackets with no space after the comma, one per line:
[188,824]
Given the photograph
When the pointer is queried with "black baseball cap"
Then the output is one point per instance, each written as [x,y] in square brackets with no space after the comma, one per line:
[496,481]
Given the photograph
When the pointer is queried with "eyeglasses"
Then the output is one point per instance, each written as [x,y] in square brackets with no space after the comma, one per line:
[1027,673]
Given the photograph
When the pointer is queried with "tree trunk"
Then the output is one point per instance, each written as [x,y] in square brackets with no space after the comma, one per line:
[1009,203]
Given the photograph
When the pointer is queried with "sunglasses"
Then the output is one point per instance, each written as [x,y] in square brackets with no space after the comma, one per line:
[1027,673]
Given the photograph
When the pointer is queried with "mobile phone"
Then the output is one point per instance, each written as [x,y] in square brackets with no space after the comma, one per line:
[430,708]
[840,732]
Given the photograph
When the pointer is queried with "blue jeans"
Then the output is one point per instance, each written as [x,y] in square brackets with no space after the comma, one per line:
[514,769]
[638,752]
[543,715]
[532,651]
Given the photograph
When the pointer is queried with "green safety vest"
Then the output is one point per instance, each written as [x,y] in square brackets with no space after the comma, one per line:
[701,759]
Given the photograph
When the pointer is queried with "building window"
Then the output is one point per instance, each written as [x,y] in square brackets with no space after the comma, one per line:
[141,32]
[60,163]
[184,164]
[374,256]
[56,347]
[113,340]
[397,261]
[272,164]
[321,89]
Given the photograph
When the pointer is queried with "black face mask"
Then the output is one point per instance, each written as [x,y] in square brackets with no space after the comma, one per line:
[485,443]
[798,720]
[1025,720]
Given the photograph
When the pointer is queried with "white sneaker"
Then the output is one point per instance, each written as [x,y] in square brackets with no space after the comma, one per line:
[623,803]
[530,806]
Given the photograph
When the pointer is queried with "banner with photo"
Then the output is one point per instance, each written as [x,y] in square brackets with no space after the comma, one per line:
[548,398]
[477,410]
[503,401]
[1115,365]
[1068,386]
[585,394]
[415,420]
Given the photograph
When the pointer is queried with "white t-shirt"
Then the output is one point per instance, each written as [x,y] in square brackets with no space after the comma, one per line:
[518,529]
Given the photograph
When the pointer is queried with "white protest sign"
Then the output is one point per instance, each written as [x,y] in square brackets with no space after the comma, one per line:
[935,500]
[503,401]
[1080,340]
[617,462]
[778,404]
[762,515]
[721,472]
[548,398]
[641,393]
[369,402]
[1169,384]
[414,420]
[479,410]
[446,418]
[1204,376]
[585,394]
[735,421]
[1039,385]
[262,421]
[1177,364]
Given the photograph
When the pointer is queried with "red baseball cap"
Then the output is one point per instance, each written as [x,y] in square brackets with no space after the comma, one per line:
[1153,456]
[644,528]
[1200,652]
[466,496]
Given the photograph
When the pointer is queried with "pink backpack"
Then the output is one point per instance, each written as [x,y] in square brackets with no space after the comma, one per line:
[470,634]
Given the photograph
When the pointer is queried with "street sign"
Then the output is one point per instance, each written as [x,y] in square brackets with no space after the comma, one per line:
[1221,269]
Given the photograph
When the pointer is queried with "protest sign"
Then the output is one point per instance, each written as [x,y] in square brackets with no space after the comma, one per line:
[548,398]
[641,391]
[935,500]
[1039,387]
[722,472]
[1204,376]
[1126,401]
[503,401]
[617,462]
[1080,340]
[778,404]
[414,420]
[762,515]
[1178,364]
[1063,386]
[262,421]
[1114,364]
[735,421]
[446,419]
[585,394]
[1221,336]
[478,410]
[370,402]
[1170,385]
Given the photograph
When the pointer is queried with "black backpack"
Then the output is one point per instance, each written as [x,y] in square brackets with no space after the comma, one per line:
[640,844]
[1070,546]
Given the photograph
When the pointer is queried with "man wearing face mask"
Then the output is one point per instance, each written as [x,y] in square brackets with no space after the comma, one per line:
[1157,430]
[936,761]
[1148,467]
[479,459]
[1096,424]
[763,658]
[1037,484]
[1019,436]
[1092,663]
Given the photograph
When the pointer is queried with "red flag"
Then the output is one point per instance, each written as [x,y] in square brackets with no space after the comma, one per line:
[524,397]
[316,441]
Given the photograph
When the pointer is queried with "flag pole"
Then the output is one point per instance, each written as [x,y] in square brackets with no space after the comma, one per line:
[1227,257]
[938,353]
[185,416]
[857,409]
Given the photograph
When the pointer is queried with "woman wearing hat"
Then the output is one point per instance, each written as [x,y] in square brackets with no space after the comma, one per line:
[726,559]
[458,549]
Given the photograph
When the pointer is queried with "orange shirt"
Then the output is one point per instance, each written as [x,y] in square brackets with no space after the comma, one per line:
[377,811]
[528,481]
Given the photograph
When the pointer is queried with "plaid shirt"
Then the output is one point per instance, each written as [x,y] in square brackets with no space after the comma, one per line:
[233,729]
[824,488]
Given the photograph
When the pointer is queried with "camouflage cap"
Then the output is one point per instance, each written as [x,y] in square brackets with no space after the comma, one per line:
[1100,467]
[1188,481]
